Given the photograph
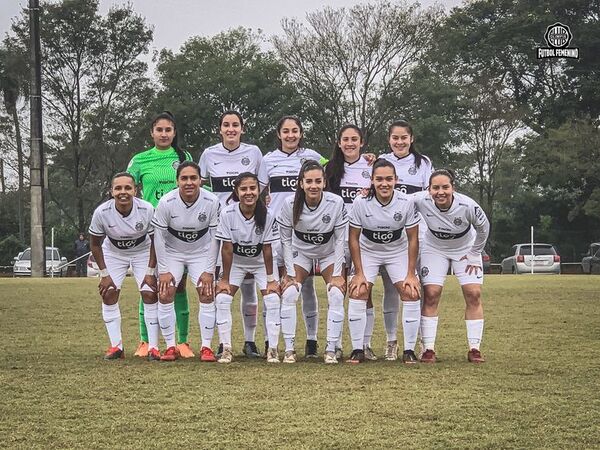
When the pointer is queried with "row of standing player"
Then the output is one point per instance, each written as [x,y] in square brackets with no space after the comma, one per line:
[347,173]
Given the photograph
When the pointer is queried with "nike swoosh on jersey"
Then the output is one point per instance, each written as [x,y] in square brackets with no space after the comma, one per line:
[174,217]
[216,163]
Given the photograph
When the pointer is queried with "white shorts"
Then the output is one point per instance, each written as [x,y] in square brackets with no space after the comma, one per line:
[239,271]
[396,265]
[308,264]
[117,266]
[434,268]
[195,267]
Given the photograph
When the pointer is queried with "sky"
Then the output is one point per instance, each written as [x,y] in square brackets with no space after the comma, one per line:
[175,21]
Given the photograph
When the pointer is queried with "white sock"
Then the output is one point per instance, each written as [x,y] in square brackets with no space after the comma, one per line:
[288,316]
[474,333]
[206,319]
[357,321]
[249,308]
[369,327]
[224,319]
[273,318]
[310,308]
[335,317]
[151,321]
[411,320]
[166,321]
[112,319]
[429,331]
[391,306]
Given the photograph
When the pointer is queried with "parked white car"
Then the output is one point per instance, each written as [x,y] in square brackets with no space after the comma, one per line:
[22,263]
[545,259]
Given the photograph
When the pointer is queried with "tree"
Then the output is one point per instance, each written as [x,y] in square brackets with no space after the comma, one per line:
[94,87]
[14,72]
[349,63]
[227,71]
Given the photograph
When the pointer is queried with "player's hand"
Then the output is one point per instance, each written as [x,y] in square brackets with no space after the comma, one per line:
[338,282]
[370,158]
[358,285]
[273,287]
[223,286]
[472,267]
[267,200]
[165,282]
[105,285]
[289,281]
[411,287]
[150,281]
[205,282]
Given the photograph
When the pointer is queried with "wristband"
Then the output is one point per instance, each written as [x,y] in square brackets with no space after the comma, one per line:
[270,278]
[151,271]
[103,273]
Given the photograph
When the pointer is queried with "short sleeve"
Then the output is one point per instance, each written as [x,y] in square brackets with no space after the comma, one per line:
[342,216]
[160,219]
[134,169]
[412,217]
[355,214]
[263,174]
[271,232]
[285,215]
[224,229]
[203,163]
[96,226]
[216,212]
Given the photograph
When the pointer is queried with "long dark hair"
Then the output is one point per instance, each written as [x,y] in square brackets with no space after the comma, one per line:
[334,170]
[379,162]
[260,212]
[419,157]
[279,125]
[167,115]
[299,196]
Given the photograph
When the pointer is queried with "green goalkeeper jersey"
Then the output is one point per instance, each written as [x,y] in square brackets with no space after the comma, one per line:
[156,171]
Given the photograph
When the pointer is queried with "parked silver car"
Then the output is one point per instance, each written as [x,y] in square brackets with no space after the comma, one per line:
[591,261]
[22,263]
[545,259]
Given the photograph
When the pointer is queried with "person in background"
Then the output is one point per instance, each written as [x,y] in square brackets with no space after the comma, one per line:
[81,247]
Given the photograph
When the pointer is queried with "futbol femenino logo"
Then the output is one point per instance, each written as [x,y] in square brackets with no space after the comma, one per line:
[557,37]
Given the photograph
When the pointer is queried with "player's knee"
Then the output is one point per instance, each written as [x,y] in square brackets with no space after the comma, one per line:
[290,296]
[111,297]
[272,302]
[335,296]
[473,296]
[149,297]
[223,301]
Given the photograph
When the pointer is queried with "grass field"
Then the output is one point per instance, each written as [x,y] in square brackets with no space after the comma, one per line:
[538,388]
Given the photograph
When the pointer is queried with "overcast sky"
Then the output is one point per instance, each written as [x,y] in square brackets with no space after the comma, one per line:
[175,21]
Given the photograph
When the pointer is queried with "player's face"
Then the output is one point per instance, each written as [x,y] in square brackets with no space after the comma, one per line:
[123,190]
[384,180]
[163,133]
[290,135]
[400,140]
[247,191]
[441,191]
[231,131]
[350,144]
[313,184]
[189,182]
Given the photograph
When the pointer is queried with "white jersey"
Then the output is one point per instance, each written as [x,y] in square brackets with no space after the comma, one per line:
[357,176]
[187,225]
[125,234]
[246,237]
[461,230]
[382,225]
[312,235]
[280,171]
[411,178]
[221,166]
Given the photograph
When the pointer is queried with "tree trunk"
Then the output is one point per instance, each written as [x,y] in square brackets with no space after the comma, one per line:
[20,171]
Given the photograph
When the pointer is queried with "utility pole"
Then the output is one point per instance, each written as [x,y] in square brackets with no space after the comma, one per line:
[38,220]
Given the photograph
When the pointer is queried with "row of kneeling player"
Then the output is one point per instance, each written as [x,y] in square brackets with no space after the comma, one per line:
[190,232]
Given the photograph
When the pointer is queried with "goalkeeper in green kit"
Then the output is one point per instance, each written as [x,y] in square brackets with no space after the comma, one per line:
[154,171]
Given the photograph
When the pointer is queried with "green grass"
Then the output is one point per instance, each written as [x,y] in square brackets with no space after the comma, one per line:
[538,388]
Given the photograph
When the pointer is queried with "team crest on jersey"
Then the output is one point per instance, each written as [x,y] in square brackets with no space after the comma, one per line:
[175,164]
[366,174]
[139,226]
[424,271]
[412,170]
[202,217]
[326,218]
[458,221]
[397,216]
[258,230]
[245,161]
